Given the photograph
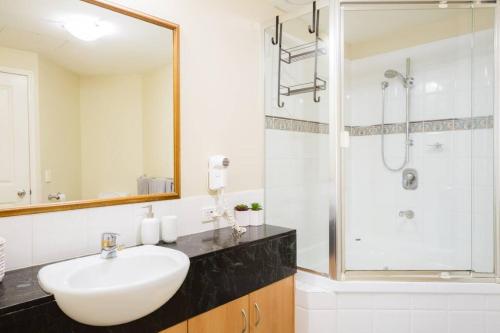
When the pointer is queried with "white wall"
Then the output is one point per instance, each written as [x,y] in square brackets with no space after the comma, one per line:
[59,124]
[157,122]
[111,127]
[220,80]
[453,205]
[19,59]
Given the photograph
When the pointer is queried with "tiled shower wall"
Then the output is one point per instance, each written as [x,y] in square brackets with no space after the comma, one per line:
[297,191]
[296,170]
[451,111]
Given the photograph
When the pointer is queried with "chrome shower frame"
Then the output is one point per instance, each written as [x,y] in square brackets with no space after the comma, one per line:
[336,159]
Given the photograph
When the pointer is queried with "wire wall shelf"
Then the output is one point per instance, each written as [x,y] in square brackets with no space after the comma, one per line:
[303,88]
[301,52]
[296,53]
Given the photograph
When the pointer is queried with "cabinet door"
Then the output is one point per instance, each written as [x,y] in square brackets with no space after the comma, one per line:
[272,308]
[228,318]
[179,328]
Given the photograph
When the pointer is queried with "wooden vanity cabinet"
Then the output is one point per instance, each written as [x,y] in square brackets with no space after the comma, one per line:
[231,317]
[272,308]
[267,310]
[179,328]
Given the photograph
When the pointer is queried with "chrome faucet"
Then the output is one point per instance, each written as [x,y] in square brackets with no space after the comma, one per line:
[108,245]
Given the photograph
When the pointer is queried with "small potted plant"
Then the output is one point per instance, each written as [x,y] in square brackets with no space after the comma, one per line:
[242,215]
[256,214]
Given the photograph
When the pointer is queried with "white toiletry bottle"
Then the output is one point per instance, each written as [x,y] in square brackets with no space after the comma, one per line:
[169,229]
[150,228]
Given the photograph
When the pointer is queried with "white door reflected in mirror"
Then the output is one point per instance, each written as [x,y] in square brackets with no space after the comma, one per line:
[14,139]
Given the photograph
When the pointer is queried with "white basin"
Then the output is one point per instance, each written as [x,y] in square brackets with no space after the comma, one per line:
[105,292]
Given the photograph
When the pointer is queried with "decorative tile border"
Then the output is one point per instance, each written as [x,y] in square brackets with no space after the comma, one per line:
[296,125]
[440,125]
[424,126]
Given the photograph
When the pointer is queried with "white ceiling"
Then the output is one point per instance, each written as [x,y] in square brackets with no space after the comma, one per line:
[37,25]
[364,25]
[290,6]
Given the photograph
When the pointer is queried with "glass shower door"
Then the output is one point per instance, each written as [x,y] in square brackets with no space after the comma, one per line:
[418,111]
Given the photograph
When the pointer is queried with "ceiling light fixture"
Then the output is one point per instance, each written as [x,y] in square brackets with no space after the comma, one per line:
[88,29]
[443,4]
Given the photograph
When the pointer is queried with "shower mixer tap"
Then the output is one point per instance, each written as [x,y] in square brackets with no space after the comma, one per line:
[410,179]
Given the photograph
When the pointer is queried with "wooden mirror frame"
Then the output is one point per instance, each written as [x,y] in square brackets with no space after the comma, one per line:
[79,204]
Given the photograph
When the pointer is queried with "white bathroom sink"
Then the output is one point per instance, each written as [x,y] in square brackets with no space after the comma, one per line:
[105,292]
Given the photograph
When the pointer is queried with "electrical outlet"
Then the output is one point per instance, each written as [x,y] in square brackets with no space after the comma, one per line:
[208,214]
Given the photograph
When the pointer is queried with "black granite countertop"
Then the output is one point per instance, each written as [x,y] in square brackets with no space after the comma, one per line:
[20,290]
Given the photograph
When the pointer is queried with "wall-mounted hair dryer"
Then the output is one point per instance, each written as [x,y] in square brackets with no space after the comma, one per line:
[217,172]
[217,181]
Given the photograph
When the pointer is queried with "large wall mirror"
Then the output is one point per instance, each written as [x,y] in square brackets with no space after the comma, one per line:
[89,106]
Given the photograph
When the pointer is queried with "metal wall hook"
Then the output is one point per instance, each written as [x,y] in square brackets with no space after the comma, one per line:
[274,40]
[280,39]
[314,19]
[316,98]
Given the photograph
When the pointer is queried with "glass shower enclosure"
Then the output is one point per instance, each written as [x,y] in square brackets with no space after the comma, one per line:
[414,127]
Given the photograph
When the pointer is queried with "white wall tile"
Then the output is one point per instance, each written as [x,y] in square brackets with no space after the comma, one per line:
[58,236]
[116,219]
[466,322]
[42,238]
[355,301]
[296,191]
[429,302]
[492,322]
[409,306]
[315,320]
[314,298]
[391,301]
[355,321]
[467,302]
[493,302]
[302,319]
[391,321]
[429,322]
[18,233]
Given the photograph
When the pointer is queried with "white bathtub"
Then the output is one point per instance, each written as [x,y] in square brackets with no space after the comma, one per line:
[327,306]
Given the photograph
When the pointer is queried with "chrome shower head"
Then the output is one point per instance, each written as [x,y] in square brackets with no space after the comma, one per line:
[406,81]
[391,74]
